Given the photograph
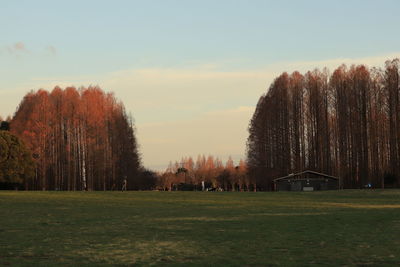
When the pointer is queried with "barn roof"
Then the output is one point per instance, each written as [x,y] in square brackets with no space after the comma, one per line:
[292,175]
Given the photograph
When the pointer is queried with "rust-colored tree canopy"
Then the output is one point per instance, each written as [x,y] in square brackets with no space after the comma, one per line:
[345,124]
[205,170]
[81,139]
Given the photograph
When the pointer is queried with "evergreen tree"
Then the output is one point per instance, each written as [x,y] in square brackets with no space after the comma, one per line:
[16,163]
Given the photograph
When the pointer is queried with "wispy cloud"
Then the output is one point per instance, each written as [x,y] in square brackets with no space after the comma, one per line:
[19,49]
[16,49]
[180,88]
[20,46]
[331,64]
[51,50]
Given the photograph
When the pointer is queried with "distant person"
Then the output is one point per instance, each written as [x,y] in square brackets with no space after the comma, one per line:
[124,184]
[368,186]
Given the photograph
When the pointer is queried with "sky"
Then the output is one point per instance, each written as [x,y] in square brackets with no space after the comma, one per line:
[189,72]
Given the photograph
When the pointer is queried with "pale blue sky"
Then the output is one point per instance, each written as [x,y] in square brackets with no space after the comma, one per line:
[177,62]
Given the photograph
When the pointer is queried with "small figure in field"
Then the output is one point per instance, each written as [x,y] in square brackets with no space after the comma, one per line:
[124,184]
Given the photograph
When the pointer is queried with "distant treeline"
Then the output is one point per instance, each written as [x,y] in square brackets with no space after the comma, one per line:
[189,175]
[80,139]
[345,124]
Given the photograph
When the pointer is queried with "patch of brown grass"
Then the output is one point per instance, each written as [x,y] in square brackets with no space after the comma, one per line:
[290,214]
[361,206]
[197,219]
[125,251]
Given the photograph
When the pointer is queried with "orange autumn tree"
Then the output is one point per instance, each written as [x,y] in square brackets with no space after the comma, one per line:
[209,170]
[81,139]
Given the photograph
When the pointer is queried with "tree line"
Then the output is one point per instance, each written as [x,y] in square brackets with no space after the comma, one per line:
[210,171]
[80,139]
[345,124]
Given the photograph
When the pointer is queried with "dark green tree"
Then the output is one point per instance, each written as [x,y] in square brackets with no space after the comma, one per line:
[5,126]
[16,163]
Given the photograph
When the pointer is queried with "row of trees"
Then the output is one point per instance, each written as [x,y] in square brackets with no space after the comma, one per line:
[80,139]
[345,124]
[189,174]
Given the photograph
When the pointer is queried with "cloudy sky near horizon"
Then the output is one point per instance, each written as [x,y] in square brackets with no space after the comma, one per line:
[190,72]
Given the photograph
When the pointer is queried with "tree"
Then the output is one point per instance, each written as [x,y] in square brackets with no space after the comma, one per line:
[209,170]
[345,124]
[146,180]
[4,126]
[82,139]
[16,163]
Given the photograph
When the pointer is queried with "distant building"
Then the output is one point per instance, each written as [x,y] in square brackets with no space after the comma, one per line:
[306,181]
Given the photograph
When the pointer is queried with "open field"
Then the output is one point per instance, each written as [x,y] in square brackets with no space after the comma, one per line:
[200,228]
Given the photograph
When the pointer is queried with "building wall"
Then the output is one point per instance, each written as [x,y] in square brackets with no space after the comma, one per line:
[298,185]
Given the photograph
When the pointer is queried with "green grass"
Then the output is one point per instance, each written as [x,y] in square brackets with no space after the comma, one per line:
[200,228]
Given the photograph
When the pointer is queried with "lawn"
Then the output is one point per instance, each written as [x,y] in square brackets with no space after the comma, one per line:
[350,227]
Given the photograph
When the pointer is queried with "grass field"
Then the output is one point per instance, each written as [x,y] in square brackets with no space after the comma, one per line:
[200,228]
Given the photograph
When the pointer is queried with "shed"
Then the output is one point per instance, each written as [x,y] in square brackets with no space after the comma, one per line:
[306,181]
